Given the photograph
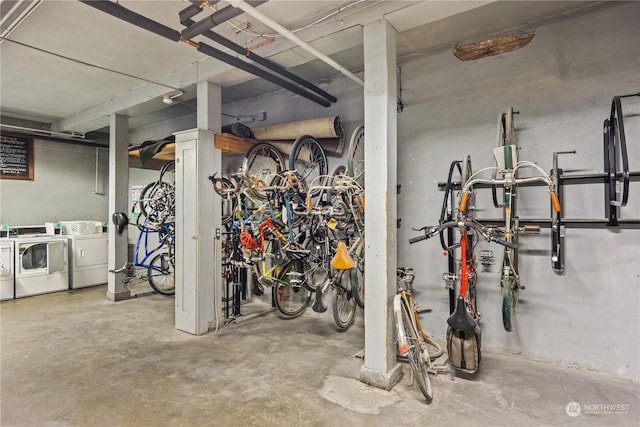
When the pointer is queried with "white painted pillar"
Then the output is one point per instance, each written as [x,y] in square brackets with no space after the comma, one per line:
[380,367]
[209,115]
[198,216]
[198,219]
[118,202]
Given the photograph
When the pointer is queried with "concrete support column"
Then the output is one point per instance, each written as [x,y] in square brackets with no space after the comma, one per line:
[380,366]
[118,202]
[209,115]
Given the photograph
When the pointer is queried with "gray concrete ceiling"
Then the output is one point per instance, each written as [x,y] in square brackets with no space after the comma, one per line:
[65,66]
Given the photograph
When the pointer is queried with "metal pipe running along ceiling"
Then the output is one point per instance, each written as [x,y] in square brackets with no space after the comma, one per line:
[162,30]
[192,10]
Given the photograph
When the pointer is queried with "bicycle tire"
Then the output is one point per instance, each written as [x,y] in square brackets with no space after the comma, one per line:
[308,159]
[466,170]
[357,276]
[355,156]
[290,299]
[344,305]
[157,203]
[416,347]
[510,285]
[261,163]
[160,274]
[465,173]
[505,135]
[223,186]
[292,203]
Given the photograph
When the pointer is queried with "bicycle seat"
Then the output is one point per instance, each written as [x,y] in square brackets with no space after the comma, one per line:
[461,319]
[120,220]
[342,260]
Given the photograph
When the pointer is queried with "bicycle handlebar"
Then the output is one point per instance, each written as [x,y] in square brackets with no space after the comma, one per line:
[418,239]
[555,201]
[484,231]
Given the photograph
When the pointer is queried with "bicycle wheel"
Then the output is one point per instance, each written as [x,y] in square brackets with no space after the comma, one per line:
[415,353]
[308,158]
[344,305]
[261,163]
[160,274]
[355,156]
[510,282]
[157,203]
[357,276]
[224,188]
[289,294]
[465,173]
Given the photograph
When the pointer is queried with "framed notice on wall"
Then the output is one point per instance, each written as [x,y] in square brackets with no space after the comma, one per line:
[16,158]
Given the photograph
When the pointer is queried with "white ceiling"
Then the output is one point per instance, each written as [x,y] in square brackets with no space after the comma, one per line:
[67,66]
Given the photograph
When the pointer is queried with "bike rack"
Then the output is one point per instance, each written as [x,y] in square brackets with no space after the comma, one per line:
[614,146]
[616,184]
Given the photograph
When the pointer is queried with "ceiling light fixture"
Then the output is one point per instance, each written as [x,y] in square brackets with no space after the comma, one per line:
[170,97]
[492,46]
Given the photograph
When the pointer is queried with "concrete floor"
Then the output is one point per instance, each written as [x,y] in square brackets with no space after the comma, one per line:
[75,359]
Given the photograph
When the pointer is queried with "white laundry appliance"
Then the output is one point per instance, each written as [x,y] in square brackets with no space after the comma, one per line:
[88,260]
[7,269]
[40,264]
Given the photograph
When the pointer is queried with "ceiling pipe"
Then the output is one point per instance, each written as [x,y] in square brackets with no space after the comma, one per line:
[125,14]
[190,11]
[251,11]
[114,9]
[195,8]
[250,68]
[214,19]
[265,63]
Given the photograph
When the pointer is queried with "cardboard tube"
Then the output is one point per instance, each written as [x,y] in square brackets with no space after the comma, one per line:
[326,127]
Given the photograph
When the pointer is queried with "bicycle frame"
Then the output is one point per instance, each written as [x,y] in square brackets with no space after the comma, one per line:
[142,244]
[413,342]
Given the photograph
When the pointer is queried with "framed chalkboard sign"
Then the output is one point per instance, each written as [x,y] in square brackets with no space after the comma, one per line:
[16,158]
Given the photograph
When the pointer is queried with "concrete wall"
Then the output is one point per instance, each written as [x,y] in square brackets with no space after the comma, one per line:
[562,84]
[64,187]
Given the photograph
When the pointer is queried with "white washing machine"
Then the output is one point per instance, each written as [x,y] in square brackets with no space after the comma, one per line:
[7,269]
[41,265]
[88,260]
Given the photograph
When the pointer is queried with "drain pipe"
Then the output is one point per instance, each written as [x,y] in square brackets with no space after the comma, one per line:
[214,19]
[249,10]
[134,18]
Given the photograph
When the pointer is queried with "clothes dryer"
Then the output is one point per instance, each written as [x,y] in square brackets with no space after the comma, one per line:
[40,265]
[7,269]
[88,260]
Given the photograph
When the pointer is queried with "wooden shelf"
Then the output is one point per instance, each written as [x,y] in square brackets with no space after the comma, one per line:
[228,143]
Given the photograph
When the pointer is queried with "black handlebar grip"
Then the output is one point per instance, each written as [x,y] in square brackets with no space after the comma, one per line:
[417,239]
[507,244]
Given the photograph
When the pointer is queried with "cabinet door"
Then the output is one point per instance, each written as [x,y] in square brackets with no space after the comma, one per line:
[55,255]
